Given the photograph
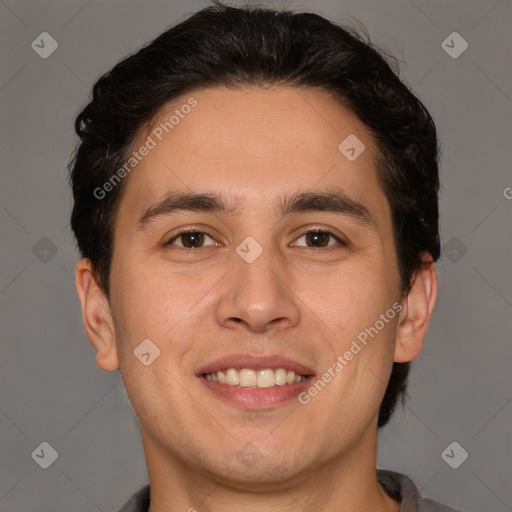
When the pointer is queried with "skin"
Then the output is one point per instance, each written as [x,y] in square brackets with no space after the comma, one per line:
[305,303]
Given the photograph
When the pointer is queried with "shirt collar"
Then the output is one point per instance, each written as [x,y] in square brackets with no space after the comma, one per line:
[396,485]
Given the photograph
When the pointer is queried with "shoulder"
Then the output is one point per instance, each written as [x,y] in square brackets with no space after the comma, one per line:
[428,505]
[401,487]
[139,501]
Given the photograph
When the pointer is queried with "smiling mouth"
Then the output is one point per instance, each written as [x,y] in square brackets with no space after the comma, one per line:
[250,378]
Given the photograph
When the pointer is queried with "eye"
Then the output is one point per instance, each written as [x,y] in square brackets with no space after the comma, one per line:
[320,238]
[191,239]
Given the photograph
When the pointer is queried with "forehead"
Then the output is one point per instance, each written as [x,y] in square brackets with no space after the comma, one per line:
[255,143]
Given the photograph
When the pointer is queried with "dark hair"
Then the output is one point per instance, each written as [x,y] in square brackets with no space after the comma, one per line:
[228,46]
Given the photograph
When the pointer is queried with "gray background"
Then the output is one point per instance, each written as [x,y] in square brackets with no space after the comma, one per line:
[51,390]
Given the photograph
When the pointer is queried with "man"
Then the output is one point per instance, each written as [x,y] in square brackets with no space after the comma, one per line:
[256,207]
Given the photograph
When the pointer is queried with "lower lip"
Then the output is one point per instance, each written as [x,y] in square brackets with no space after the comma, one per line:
[256,398]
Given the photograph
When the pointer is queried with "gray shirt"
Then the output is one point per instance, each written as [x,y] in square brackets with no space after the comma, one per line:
[396,485]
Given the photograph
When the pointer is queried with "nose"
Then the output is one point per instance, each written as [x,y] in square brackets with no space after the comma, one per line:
[259,295]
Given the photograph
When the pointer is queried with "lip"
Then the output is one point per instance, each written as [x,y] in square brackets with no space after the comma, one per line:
[255,398]
[240,361]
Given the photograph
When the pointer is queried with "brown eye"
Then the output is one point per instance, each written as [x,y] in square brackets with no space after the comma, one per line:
[190,239]
[319,238]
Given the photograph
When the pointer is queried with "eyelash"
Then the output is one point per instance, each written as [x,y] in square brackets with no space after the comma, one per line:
[339,241]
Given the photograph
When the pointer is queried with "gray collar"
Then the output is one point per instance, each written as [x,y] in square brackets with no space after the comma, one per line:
[396,485]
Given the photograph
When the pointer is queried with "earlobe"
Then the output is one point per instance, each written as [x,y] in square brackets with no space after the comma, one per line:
[96,316]
[417,311]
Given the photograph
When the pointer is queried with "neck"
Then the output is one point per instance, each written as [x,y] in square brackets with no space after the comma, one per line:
[345,483]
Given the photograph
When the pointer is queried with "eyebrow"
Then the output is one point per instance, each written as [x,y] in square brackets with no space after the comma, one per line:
[217,203]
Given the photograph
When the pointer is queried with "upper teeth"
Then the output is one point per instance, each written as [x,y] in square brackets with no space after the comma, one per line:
[255,378]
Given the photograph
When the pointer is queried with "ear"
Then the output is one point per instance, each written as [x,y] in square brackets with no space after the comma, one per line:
[415,316]
[96,316]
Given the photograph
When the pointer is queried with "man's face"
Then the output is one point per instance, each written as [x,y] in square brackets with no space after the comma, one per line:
[210,301]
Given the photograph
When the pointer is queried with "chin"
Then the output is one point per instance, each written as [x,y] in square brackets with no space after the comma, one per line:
[263,475]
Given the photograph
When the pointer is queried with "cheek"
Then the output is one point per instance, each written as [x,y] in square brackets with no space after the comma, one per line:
[350,303]
[152,302]
[350,298]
